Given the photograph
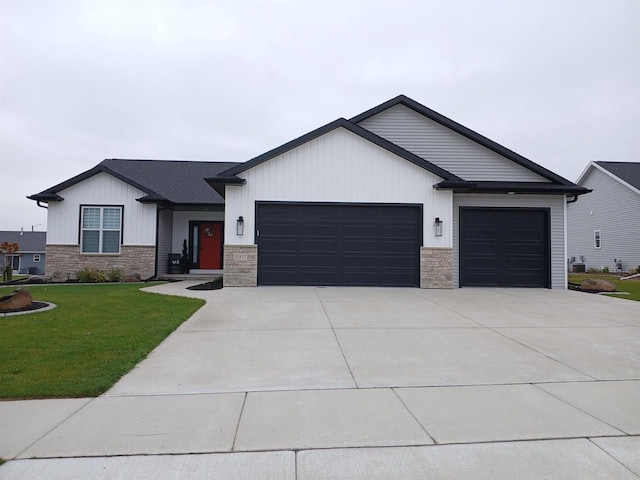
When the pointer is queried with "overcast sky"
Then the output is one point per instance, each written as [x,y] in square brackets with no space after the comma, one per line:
[80,81]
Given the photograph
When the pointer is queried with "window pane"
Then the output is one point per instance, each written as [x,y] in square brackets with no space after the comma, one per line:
[111,219]
[111,242]
[90,241]
[91,217]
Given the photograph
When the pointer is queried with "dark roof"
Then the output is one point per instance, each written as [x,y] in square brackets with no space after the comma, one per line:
[27,241]
[352,127]
[175,182]
[462,130]
[626,171]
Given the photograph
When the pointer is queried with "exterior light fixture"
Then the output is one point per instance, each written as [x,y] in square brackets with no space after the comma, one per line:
[240,226]
[437,224]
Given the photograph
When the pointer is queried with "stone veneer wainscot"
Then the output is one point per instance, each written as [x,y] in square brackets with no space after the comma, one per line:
[240,266]
[436,267]
[66,260]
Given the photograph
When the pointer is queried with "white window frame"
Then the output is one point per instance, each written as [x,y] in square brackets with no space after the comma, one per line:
[100,229]
[597,239]
[36,258]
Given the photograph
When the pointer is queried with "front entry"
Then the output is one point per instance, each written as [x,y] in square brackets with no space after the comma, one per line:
[206,245]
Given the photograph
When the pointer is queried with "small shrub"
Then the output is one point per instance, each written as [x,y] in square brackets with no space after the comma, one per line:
[605,269]
[592,270]
[115,275]
[90,275]
[7,273]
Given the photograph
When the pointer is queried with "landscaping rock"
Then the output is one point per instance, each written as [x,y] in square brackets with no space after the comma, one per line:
[18,299]
[597,285]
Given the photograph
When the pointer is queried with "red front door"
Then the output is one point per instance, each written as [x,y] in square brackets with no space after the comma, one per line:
[210,246]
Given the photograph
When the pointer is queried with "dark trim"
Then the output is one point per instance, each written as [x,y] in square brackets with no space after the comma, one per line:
[464,131]
[50,193]
[547,212]
[353,128]
[513,187]
[219,183]
[45,197]
[101,205]
[155,266]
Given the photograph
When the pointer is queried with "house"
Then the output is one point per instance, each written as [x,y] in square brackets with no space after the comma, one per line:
[604,226]
[30,256]
[131,214]
[396,196]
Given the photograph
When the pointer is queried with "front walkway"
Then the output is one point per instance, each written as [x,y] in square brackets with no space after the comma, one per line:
[318,383]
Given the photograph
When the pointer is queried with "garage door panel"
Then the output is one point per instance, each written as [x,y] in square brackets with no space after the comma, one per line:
[504,247]
[280,244]
[360,242]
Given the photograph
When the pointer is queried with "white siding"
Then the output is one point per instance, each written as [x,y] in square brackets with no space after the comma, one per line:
[444,147]
[557,217]
[63,218]
[165,224]
[338,167]
[181,225]
[612,208]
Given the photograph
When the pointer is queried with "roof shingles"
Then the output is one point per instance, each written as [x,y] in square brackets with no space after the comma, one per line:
[626,171]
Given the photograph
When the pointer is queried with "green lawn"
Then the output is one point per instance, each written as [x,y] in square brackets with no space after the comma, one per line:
[81,348]
[632,286]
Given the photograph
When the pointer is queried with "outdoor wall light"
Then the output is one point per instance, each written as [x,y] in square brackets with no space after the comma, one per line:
[437,224]
[240,226]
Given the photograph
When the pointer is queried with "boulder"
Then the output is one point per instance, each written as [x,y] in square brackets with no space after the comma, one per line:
[597,285]
[15,301]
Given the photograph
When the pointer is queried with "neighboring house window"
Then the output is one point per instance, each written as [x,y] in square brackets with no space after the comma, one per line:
[36,257]
[597,239]
[101,228]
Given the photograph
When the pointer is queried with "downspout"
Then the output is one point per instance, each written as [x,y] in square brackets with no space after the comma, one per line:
[573,200]
[42,206]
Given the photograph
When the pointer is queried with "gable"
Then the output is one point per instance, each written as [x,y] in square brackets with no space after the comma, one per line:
[445,147]
[338,166]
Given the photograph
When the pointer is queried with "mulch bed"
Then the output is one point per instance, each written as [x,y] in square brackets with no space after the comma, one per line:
[33,306]
[215,285]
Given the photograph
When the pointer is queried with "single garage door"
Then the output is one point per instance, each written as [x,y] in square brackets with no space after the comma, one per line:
[338,244]
[504,247]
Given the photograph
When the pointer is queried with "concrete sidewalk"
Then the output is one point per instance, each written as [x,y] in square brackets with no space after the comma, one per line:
[321,383]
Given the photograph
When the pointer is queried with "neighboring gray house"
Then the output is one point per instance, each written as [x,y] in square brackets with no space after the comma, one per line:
[604,226]
[396,196]
[30,258]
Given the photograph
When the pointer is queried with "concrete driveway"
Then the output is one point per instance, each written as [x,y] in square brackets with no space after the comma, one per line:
[319,383]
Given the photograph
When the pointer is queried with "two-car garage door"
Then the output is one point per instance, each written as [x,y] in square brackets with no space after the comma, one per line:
[338,244]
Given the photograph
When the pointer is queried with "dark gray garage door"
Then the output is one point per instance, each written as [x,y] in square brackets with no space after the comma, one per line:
[338,244]
[502,247]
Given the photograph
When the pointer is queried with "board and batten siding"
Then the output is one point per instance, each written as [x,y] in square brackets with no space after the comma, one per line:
[612,208]
[556,204]
[63,218]
[444,147]
[341,167]
[165,230]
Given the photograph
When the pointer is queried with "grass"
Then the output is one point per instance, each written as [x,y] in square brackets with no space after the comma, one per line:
[631,286]
[96,334]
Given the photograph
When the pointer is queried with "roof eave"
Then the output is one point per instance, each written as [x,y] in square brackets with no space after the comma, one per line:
[510,188]
[45,197]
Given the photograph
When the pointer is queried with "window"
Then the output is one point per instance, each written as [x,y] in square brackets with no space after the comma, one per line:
[597,239]
[100,229]
[36,257]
